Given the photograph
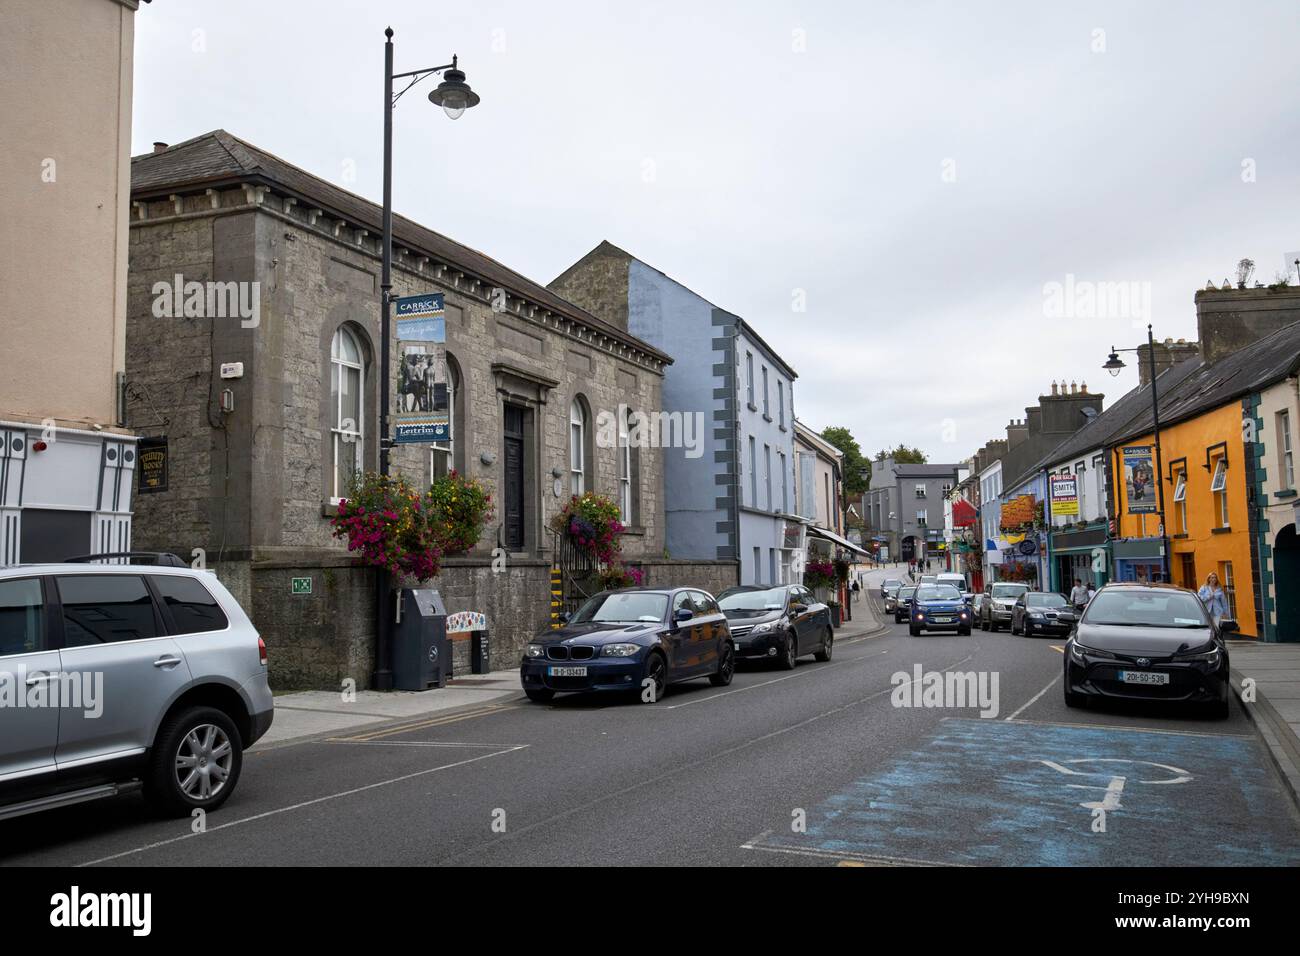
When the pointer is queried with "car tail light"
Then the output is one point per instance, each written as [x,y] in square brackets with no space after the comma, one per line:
[261,650]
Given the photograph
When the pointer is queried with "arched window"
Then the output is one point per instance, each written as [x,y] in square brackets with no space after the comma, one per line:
[625,496]
[347,410]
[443,454]
[577,447]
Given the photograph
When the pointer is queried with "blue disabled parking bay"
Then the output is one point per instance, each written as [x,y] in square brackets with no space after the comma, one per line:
[990,792]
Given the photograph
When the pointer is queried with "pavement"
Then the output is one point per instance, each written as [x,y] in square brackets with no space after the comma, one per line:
[307,715]
[820,765]
[1266,678]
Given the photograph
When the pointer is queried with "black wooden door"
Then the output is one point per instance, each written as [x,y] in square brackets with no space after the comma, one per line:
[514,478]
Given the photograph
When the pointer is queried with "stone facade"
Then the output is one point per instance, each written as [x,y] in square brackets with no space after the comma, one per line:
[252,487]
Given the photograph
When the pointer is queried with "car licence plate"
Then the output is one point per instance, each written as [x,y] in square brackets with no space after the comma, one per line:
[1143,677]
[943,620]
[567,671]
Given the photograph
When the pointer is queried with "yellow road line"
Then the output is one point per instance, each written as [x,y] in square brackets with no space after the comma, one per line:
[1059,648]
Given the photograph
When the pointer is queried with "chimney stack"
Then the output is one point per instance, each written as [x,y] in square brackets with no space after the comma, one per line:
[158,147]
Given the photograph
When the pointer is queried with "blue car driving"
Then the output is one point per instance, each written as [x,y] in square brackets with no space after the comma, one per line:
[634,640]
[939,607]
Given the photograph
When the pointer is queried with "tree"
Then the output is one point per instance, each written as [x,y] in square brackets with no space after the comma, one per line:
[855,468]
[903,455]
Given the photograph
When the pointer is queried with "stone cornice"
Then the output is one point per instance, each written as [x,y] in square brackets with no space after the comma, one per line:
[411,261]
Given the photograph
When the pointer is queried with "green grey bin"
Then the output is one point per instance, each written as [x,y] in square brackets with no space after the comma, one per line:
[421,650]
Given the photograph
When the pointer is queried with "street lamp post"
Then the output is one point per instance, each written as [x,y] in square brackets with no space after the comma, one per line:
[1113,366]
[455,97]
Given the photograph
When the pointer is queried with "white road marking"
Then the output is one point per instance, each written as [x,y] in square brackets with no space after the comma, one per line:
[305,803]
[1027,704]
[1128,728]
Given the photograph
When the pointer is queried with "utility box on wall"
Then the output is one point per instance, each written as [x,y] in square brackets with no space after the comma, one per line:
[421,650]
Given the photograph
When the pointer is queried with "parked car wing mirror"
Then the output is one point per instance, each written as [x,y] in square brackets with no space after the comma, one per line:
[683,614]
[1229,626]
[564,617]
[798,607]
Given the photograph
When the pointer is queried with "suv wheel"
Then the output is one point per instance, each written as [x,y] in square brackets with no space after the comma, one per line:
[195,762]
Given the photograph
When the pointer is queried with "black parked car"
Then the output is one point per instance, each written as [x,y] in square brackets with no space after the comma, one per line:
[780,623]
[1150,642]
[1042,612]
[631,640]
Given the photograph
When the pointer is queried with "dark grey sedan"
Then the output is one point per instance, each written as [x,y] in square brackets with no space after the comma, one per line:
[780,623]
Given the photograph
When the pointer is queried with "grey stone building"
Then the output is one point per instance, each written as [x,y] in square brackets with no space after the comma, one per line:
[260,456]
[904,507]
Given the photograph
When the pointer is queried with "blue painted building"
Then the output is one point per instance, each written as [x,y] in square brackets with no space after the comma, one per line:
[731,494]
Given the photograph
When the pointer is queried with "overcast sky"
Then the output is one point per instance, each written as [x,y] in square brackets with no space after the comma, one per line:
[914,173]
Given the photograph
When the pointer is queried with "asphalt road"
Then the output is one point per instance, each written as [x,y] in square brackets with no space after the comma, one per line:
[815,766]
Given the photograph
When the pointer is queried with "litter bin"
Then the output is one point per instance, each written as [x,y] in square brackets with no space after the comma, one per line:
[421,650]
[480,653]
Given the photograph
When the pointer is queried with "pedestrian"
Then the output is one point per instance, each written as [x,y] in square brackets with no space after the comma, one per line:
[1092,590]
[1079,596]
[856,588]
[1216,602]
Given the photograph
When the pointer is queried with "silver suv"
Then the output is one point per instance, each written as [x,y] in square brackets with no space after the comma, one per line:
[119,677]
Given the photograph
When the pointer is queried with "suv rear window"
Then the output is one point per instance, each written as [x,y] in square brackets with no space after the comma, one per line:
[105,609]
[193,607]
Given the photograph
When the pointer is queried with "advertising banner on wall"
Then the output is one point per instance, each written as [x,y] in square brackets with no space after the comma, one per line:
[423,397]
[1064,491]
[1139,480]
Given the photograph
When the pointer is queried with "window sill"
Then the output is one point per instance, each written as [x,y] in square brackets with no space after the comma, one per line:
[1283,495]
[635,530]
[329,509]
[767,418]
[1180,536]
[752,406]
[1224,530]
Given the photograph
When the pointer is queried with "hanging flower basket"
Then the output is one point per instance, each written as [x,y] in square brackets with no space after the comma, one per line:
[462,508]
[389,525]
[591,522]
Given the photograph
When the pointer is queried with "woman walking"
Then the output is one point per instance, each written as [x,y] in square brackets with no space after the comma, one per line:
[1216,602]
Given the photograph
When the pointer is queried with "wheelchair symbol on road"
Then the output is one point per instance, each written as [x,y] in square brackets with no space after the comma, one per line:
[1114,787]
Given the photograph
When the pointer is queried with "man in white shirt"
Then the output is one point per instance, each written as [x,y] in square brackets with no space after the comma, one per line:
[1079,596]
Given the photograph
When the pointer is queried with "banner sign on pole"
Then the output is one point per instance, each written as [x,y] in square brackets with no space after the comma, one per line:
[423,397]
[1139,480]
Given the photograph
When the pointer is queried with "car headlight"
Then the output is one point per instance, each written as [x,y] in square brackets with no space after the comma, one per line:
[921,615]
[963,615]
[1037,615]
[1079,651]
[535,650]
[620,650]
[1210,656]
[766,628]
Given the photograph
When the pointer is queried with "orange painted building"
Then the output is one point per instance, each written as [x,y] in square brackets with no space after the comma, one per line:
[1203,476]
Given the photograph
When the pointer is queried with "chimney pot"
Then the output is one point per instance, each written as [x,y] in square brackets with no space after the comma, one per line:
[1053,386]
[159,146]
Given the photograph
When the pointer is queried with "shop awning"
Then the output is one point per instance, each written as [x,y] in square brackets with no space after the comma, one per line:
[836,539]
[963,514]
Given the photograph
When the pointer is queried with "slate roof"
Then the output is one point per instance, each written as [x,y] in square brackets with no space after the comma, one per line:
[1188,389]
[217,159]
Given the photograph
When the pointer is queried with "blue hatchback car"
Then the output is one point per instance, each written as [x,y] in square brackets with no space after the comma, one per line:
[939,607]
[634,640]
